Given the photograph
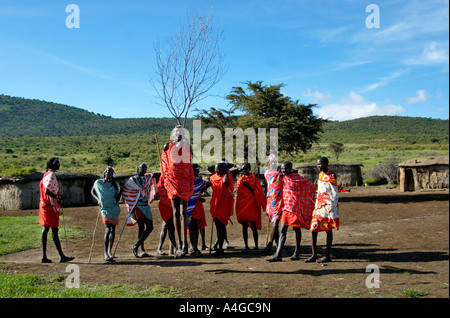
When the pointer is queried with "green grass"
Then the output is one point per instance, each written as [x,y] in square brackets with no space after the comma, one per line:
[33,286]
[22,233]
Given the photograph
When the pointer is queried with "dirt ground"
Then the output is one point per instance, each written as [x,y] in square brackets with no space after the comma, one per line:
[405,234]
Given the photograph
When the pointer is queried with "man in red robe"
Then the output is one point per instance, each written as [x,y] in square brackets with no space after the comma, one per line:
[250,200]
[298,205]
[179,178]
[50,209]
[222,201]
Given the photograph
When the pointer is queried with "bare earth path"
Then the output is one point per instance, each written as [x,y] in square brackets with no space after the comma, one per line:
[405,234]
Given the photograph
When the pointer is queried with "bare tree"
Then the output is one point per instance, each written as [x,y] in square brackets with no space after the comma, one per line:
[188,69]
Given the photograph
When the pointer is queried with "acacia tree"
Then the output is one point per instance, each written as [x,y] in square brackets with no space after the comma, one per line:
[265,106]
[190,66]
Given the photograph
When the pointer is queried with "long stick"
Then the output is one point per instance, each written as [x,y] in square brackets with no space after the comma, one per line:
[117,244]
[210,240]
[93,236]
[267,235]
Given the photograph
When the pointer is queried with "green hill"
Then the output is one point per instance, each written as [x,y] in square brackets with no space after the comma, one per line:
[34,118]
[20,117]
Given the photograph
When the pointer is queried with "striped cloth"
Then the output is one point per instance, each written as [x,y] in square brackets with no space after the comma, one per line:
[193,200]
[298,200]
[133,190]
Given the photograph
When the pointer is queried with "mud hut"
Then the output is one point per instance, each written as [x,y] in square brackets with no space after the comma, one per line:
[424,173]
[348,173]
[22,193]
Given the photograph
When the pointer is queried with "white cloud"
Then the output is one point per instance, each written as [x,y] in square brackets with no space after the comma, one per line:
[356,106]
[420,97]
[317,96]
[385,80]
[433,53]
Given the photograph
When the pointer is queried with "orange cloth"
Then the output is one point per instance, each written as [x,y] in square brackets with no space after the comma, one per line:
[222,199]
[249,205]
[164,205]
[177,169]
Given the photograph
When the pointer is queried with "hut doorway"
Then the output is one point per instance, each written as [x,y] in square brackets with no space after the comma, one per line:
[409,180]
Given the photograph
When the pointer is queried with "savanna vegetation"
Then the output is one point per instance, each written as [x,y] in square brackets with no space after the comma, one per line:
[31,131]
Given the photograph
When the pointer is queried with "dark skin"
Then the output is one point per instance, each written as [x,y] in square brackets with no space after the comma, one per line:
[45,230]
[110,229]
[145,225]
[246,171]
[221,169]
[286,169]
[179,207]
[323,167]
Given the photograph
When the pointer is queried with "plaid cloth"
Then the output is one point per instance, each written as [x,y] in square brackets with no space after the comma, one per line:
[177,169]
[298,199]
[249,205]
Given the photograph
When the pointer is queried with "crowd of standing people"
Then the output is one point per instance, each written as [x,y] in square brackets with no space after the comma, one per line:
[290,200]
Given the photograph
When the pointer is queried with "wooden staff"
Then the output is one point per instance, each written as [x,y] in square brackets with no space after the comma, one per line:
[210,240]
[123,228]
[93,236]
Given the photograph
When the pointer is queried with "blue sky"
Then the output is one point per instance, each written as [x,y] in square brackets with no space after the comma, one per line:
[322,51]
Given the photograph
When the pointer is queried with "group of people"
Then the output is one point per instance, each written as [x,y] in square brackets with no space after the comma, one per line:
[290,199]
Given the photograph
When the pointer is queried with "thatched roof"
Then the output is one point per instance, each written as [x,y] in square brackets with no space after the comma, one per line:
[426,161]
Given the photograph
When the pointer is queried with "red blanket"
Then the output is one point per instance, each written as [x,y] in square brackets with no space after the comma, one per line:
[249,205]
[298,199]
[222,199]
[164,205]
[177,168]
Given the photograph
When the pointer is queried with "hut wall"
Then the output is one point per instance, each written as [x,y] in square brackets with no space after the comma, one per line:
[424,177]
[348,175]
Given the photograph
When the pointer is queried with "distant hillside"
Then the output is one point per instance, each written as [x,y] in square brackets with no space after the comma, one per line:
[392,129]
[34,118]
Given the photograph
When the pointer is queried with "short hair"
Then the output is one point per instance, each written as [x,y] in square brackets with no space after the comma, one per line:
[51,162]
[287,164]
[324,160]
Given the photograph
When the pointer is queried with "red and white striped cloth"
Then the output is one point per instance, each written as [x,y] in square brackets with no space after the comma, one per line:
[132,191]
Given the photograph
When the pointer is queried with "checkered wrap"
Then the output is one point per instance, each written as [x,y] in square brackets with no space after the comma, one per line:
[298,198]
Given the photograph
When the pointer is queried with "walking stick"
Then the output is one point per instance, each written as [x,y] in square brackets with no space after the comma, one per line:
[93,236]
[210,240]
[267,235]
[64,223]
[117,244]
